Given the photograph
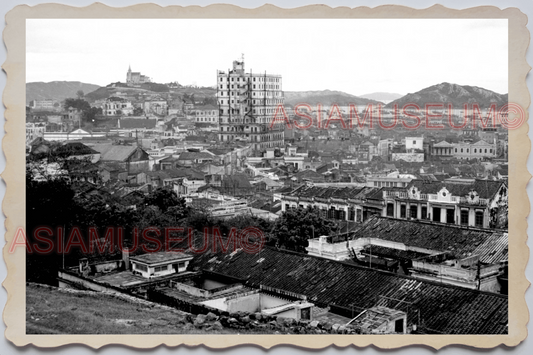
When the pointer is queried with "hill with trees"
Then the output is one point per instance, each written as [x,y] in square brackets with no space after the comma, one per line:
[56,90]
[457,95]
[324,97]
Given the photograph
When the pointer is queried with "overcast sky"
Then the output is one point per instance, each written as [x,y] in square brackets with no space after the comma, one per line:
[351,55]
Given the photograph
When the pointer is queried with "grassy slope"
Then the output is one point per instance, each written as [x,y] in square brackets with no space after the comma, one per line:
[57,90]
[51,311]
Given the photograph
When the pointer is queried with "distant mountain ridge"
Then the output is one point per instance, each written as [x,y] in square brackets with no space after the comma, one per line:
[382,96]
[325,97]
[56,90]
[455,94]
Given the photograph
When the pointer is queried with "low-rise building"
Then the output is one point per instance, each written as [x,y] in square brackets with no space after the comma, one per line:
[206,114]
[151,265]
[455,255]
[77,134]
[34,130]
[45,105]
[116,106]
[339,203]
[391,180]
[468,202]
[464,150]
[129,157]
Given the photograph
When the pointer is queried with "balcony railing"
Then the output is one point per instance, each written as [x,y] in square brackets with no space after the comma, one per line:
[479,202]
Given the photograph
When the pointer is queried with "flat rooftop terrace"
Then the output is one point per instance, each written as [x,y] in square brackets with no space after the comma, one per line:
[127,278]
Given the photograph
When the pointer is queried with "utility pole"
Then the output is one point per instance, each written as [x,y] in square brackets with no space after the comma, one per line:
[63,246]
[370,254]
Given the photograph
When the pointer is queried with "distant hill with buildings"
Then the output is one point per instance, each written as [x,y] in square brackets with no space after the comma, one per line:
[150,88]
[455,94]
[325,97]
[56,90]
[384,97]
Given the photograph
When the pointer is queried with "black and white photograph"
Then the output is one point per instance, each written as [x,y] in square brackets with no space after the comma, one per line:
[343,177]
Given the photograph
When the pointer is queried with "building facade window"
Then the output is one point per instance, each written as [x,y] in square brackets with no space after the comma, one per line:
[403,211]
[436,214]
[351,214]
[413,211]
[160,268]
[450,215]
[141,267]
[390,210]
[464,217]
[479,219]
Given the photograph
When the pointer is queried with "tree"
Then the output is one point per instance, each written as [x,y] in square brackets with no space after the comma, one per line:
[138,111]
[296,226]
[79,104]
[80,94]
[90,114]
[167,201]
[49,203]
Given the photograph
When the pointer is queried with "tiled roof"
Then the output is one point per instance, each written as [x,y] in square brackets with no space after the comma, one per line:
[270,182]
[443,144]
[286,189]
[484,188]
[194,139]
[494,249]
[333,192]
[237,181]
[177,173]
[441,308]
[194,155]
[460,242]
[219,151]
[504,170]
[308,173]
[132,123]
[115,152]
[481,142]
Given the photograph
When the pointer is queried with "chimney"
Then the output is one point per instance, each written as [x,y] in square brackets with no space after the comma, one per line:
[126,258]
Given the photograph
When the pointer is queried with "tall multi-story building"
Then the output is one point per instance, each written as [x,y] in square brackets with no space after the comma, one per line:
[247,106]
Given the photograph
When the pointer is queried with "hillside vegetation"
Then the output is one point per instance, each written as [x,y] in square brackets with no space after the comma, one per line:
[457,95]
[50,310]
[56,90]
[324,97]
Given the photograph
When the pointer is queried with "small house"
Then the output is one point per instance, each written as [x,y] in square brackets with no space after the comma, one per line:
[159,264]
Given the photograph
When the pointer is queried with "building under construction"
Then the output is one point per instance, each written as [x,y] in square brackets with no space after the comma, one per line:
[247,106]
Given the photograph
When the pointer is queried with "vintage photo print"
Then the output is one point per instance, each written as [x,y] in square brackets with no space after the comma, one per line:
[225,176]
